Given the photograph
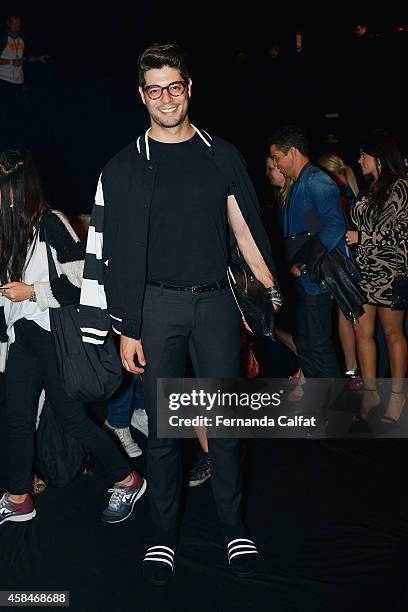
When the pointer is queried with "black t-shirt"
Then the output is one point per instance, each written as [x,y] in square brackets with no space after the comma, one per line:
[188,219]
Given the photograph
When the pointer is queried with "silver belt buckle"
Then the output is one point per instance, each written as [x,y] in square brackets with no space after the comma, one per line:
[194,289]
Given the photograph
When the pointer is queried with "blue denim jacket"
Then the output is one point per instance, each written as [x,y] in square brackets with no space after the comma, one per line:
[315,190]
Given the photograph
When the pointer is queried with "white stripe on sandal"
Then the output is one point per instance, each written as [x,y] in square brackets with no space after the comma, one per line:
[236,549]
[158,554]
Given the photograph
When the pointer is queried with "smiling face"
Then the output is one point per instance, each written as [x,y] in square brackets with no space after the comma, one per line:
[285,162]
[167,111]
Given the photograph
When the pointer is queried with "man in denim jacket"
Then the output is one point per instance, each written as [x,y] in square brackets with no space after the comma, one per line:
[313,205]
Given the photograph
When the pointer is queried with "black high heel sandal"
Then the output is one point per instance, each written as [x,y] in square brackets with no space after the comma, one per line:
[389,423]
[359,423]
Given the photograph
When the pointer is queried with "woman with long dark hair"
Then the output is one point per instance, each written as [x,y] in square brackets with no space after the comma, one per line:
[381,217]
[28,346]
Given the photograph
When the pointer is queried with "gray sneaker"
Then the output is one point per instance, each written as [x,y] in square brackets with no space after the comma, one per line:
[131,447]
[140,421]
[121,502]
[12,511]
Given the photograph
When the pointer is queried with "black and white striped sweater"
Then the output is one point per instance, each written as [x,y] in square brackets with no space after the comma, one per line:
[68,254]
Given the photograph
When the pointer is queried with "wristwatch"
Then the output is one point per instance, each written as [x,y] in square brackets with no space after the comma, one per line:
[33,297]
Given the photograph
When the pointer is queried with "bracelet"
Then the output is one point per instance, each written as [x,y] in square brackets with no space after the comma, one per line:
[33,296]
[275,296]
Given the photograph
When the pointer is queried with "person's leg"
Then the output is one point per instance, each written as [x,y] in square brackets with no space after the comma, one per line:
[392,324]
[23,388]
[383,361]
[367,357]
[165,332]
[313,336]
[119,413]
[319,313]
[215,353]
[301,334]
[139,418]
[120,404]
[128,485]
[202,437]
[348,342]
[72,415]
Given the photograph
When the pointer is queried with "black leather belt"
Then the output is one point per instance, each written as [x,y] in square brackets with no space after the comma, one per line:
[222,284]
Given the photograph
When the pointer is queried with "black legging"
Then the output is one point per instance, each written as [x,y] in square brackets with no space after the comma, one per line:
[32,366]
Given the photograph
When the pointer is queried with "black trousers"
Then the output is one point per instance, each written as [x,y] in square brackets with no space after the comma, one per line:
[32,366]
[206,326]
[313,335]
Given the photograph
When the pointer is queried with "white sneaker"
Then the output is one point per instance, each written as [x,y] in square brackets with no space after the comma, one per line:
[132,449]
[140,421]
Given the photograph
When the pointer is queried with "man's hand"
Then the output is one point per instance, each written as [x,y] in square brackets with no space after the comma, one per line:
[295,271]
[16,292]
[129,347]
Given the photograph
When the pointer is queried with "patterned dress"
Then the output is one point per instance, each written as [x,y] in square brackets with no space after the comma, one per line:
[382,251]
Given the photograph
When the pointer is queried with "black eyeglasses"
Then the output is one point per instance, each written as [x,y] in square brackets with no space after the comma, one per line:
[156,91]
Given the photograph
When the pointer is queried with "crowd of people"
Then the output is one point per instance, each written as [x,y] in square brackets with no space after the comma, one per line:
[171,210]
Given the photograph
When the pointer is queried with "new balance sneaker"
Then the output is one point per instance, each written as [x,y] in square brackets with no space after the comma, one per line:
[132,449]
[123,499]
[140,421]
[200,472]
[18,513]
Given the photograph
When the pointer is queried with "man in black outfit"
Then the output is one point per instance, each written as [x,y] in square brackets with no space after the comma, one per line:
[166,201]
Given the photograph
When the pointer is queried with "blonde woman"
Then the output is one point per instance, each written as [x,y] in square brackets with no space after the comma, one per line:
[343,175]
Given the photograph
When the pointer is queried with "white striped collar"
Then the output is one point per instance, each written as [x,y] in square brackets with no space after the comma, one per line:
[206,139]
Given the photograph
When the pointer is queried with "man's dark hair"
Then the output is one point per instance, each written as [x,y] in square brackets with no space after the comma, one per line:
[290,136]
[157,56]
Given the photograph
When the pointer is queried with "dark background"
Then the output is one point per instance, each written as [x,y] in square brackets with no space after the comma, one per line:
[85,106]
[329,516]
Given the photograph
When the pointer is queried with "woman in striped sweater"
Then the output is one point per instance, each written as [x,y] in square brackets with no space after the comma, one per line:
[28,345]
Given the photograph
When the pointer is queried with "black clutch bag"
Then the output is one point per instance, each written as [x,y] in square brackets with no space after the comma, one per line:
[253,301]
[293,244]
[400,293]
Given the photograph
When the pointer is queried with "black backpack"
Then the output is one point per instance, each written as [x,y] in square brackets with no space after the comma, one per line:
[60,458]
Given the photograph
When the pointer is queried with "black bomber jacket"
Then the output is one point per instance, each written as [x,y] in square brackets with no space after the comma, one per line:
[115,261]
